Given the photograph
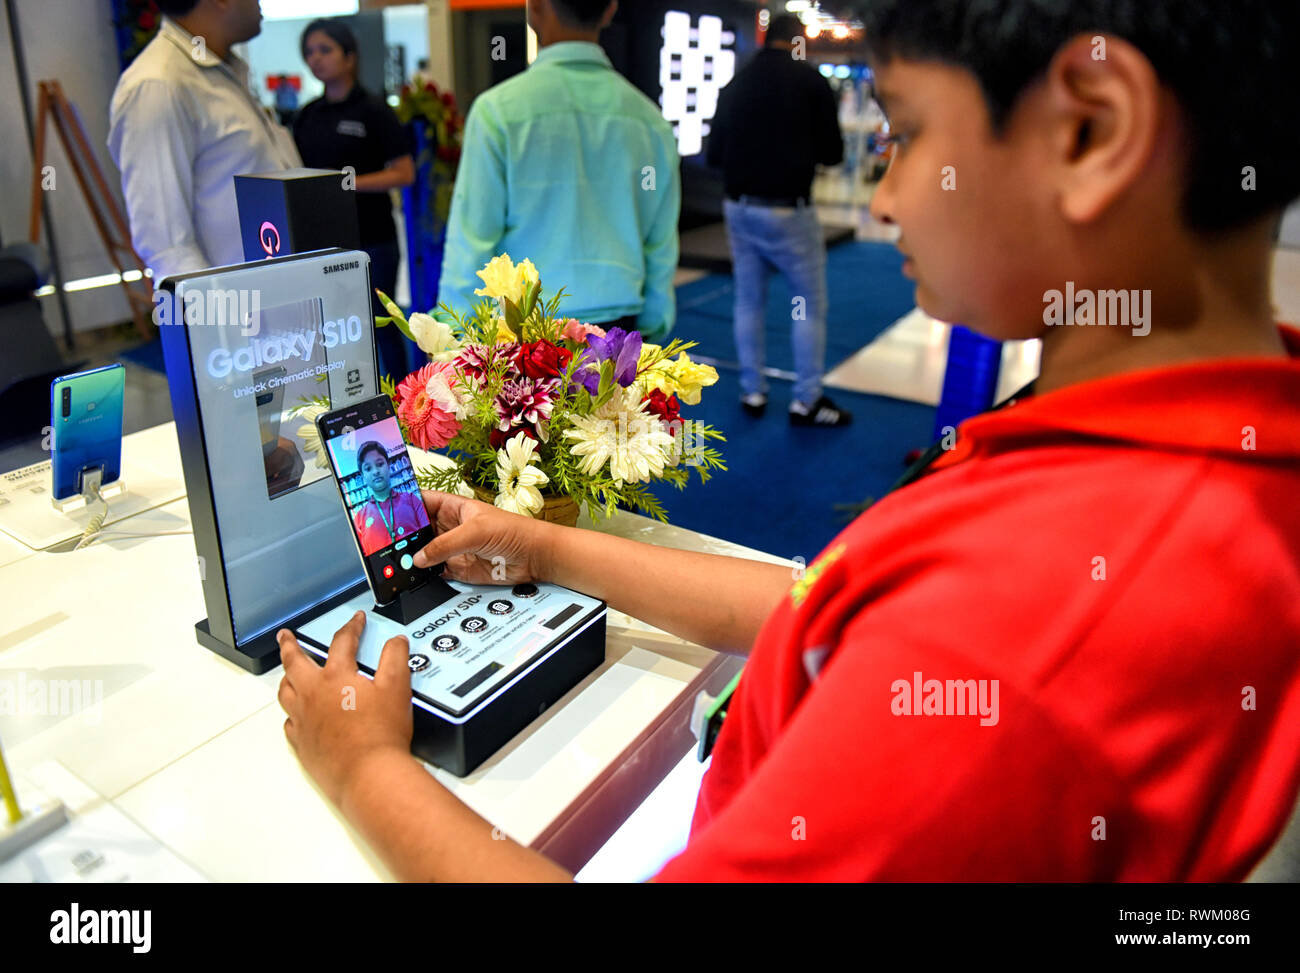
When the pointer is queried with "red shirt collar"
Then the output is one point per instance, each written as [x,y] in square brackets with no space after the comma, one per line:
[1206,406]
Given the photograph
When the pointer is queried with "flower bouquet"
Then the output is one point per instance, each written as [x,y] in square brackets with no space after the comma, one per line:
[435,113]
[539,410]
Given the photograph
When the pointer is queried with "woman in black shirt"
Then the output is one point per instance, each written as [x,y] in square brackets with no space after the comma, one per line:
[348,126]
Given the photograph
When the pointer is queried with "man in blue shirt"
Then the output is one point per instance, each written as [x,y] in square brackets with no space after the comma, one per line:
[570,166]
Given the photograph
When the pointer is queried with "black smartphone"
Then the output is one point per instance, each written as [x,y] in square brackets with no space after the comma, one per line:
[376,480]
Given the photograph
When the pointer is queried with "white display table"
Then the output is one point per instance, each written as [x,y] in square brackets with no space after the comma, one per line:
[192,749]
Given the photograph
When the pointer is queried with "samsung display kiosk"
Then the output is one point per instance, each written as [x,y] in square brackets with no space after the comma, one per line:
[253,353]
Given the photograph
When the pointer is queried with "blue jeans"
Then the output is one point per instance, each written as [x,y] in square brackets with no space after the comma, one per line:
[788,240]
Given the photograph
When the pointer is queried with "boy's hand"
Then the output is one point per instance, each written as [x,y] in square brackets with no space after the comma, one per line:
[338,718]
[483,544]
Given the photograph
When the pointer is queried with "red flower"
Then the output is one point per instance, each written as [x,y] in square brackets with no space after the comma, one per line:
[541,359]
[449,99]
[666,407]
[147,20]
[497,439]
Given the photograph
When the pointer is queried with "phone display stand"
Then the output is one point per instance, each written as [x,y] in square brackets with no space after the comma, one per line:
[484,664]
[30,516]
[413,603]
[90,490]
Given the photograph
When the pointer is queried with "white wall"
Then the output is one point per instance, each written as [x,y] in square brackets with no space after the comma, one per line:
[274,51]
[73,41]
[408,25]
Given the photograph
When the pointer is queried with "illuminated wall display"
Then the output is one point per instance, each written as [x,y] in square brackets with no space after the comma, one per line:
[695,63]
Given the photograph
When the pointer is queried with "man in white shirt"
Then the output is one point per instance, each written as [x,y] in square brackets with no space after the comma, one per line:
[183,124]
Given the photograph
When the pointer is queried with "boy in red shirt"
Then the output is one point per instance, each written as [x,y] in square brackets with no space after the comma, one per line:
[1070,649]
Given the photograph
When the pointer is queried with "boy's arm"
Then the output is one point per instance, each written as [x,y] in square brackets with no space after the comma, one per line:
[712,600]
[477,222]
[715,601]
[425,833]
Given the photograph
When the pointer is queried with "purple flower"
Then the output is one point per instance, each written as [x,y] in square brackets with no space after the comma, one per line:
[621,347]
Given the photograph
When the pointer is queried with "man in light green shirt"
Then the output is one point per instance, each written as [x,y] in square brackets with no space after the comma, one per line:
[572,167]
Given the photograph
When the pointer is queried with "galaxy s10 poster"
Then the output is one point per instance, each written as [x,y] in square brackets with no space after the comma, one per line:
[86,427]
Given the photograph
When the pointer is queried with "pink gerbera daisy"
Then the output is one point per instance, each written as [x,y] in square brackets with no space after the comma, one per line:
[428,406]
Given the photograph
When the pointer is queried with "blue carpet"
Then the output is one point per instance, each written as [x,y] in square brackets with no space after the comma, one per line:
[782,482]
[867,293]
[149,355]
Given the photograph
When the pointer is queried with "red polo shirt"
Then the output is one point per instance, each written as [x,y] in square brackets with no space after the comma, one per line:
[1070,652]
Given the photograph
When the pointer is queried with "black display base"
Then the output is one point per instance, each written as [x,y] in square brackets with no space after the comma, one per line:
[258,656]
[262,654]
[414,602]
[460,747]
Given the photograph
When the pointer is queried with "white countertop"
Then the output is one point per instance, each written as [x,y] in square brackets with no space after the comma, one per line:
[191,747]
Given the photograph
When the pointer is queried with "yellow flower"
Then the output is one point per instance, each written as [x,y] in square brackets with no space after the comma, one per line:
[503,278]
[690,377]
[504,333]
[657,377]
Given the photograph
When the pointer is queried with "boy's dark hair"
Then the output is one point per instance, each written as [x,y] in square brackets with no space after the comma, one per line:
[783,28]
[370,447]
[333,28]
[1233,66]
[581,13]
[177,8]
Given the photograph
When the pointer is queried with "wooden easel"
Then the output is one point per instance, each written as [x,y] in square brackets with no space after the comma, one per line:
[103,209]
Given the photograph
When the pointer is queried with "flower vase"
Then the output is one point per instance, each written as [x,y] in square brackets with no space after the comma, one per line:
[556,509]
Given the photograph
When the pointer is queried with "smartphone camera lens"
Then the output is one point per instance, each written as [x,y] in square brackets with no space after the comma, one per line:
[67,402]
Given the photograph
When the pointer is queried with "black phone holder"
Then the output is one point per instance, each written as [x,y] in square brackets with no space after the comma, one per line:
[414,602]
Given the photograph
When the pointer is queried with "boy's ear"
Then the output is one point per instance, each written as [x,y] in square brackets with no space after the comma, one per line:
[1105,100]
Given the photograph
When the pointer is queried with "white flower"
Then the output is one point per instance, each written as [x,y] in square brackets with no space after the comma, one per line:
[518,480]
[310,434]
[441,389]
[434,338]
[623,434]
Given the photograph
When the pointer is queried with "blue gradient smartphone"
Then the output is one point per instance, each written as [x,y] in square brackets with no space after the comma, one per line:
[86,422]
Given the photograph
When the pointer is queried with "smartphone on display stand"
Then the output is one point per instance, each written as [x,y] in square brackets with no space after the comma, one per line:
[86,427]
[376,482]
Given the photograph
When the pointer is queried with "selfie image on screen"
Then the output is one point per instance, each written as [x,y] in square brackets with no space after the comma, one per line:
[379,487]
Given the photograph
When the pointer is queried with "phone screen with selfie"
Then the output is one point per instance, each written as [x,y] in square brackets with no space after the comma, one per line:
[377,484]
